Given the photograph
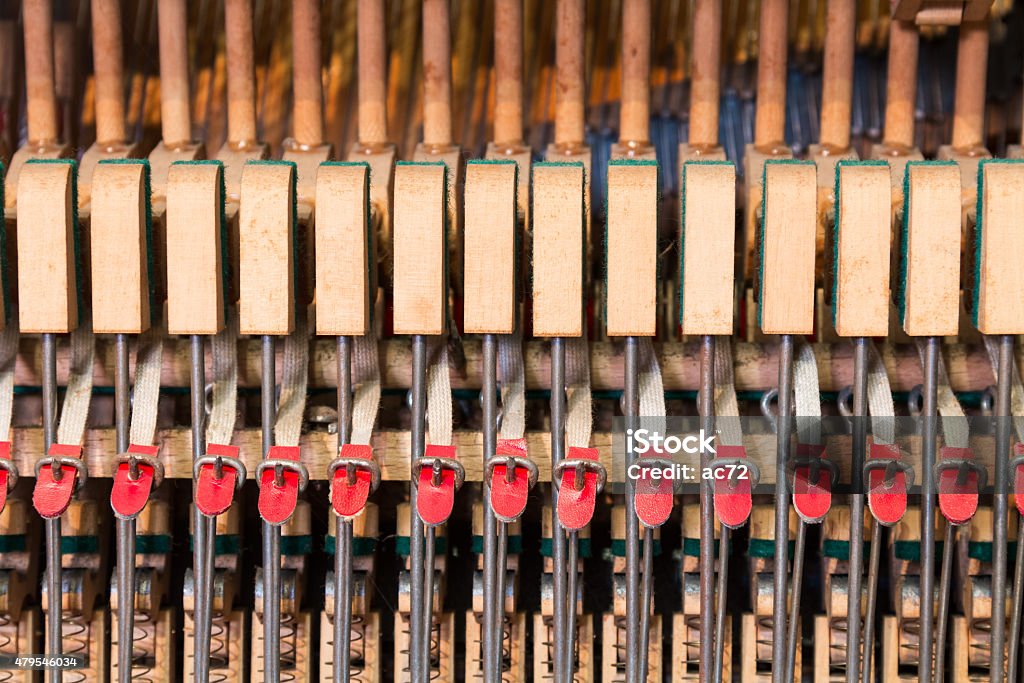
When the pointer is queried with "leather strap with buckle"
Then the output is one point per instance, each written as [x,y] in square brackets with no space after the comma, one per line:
[281,476]
[354,475]
[511,475]
[58,476]
[579,478]
[814,475]
[437,475]
[735,476]
[219,475]
[653,496]
[888,481]
[959,479]
[138,473]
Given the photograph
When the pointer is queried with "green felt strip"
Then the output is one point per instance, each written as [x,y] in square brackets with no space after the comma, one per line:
[763,547]
[545,547]
[910,551]
[293,546]
[839,550]
[152,544]
[361,546]
[515,545]
[403,545]
[226,544]
[619,547]
[976,550]
[13,543]
[70,545]
[691,547]
[76,238]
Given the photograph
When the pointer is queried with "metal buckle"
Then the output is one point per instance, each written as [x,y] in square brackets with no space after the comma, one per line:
[58,472]
[353,464]
[815,465]
[511,462]
[219,462]
[12,473]
[581,465]
[133,460]
[891,467]
[964,466]
[755,471]
[438,464]
[280,465]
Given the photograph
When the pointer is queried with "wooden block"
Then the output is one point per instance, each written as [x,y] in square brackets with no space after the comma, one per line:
[420,279]
[998,290]
[929,290]
[788,228]
[558,248]
[491,243]
[120,235]
[343,251]
[47,224]
[632,244]
[266,249]
[863,230]
[708,221]
[195,248]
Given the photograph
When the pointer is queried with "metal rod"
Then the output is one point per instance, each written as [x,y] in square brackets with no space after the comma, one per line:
[572,590]
[645,601]
[857,499]
[203,527]
[492,600]
[125,527]
[271,532]
[709,658]
[720,607]
[499,590]
[428,593]
[418,666]
[929,411]
[631,407]
[793,637]
[782,508]
[999,504]
[943,616]
[562,664]
[869,610]
[53,569]
[343,529]
[1018,596]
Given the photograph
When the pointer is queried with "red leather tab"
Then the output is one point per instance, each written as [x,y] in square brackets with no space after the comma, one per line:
[434,501]
[51,497]
[508,498]
[349,499]
[5,454]
[277,502]
[576,507]
[887,502]
[128,497]
[957,503]
[653,497]
[812,499]
[214,496]
[732,498]
[1018,478]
